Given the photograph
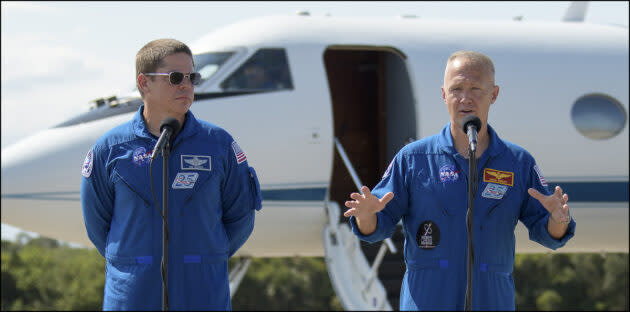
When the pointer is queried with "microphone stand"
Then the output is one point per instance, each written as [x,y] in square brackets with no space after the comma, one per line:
[165,154]
[163,145]
[472,189]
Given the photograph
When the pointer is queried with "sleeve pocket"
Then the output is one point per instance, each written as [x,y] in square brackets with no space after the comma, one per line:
[255,189]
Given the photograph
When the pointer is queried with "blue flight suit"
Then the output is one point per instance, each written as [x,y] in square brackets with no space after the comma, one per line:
[213,195]
[429,182]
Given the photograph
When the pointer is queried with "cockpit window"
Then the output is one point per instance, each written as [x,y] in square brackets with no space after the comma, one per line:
[266,70]
[208,63]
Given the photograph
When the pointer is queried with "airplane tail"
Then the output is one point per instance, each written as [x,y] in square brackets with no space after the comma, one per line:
[576,12]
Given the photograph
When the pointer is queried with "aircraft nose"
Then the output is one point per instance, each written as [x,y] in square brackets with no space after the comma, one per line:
[41,163]
[41,179]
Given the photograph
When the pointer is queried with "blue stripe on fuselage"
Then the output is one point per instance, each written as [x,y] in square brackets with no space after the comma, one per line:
[594,191]
[577,191]
[295,194]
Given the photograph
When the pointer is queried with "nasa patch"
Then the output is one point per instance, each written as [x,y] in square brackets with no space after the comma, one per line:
[86,171]
[449,173]
[141,156]
[195,162]
[185,180]
[495,191]
[428,236]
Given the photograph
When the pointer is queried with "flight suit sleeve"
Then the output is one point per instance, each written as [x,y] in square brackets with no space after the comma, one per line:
[393,180]
[240,199]
[535,217]
[97,198]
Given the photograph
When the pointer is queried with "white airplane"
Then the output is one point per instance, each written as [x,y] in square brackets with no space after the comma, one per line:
[345,94]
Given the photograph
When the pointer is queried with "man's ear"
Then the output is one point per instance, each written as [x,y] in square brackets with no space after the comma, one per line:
[141,83]
[495,94]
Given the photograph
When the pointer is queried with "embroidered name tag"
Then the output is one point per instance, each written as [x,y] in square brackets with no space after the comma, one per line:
[495,191]
[185,180]
[499,177]
[195,162]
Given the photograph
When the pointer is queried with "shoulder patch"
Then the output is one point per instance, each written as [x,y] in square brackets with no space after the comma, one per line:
[238,152]
[86,171]
[540,176]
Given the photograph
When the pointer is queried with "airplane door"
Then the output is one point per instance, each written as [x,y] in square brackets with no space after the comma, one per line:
[374,116]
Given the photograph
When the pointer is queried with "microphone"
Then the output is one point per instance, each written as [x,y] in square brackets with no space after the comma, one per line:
[471,125]
[168,128]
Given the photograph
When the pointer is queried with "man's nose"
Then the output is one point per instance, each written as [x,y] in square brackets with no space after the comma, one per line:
[466,97]
[186,83]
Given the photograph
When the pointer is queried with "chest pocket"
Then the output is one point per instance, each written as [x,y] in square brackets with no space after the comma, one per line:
[131,230]
[433,196]
[201,212]
[198,204]
[436,209]
[182,185]
[496,221]
[498,205]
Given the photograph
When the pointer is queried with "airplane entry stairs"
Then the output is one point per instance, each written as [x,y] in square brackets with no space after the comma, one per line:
[359,285]
[392,268]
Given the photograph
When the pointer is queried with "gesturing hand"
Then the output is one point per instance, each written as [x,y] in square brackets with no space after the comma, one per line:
[555,203]
[366,205]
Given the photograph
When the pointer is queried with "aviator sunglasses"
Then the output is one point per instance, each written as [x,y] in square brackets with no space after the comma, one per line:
[175,78]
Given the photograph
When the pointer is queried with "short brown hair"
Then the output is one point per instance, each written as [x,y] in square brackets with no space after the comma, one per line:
[150,57]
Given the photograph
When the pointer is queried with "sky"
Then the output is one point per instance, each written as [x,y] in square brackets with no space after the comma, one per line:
[59,56]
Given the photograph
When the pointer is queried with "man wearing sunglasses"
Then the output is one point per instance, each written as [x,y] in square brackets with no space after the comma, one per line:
[213,195]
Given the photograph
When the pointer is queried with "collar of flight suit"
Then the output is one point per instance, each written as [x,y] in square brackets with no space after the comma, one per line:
[140,129]
[447,145]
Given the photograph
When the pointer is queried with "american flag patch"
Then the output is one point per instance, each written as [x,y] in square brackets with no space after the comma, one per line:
[540,176]
[238,152]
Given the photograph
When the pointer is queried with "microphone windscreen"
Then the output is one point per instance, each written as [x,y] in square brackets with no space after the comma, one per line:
[471,120]
[171,123]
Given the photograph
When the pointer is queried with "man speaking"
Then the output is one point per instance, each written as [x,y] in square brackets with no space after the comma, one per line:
[426,186]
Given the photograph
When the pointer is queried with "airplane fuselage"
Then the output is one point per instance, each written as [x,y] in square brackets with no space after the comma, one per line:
[387,72]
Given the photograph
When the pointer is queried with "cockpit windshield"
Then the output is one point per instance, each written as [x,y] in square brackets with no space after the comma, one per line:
[266,70]
[208,63]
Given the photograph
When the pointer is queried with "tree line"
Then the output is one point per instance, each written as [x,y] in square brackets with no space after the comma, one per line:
[42,274]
